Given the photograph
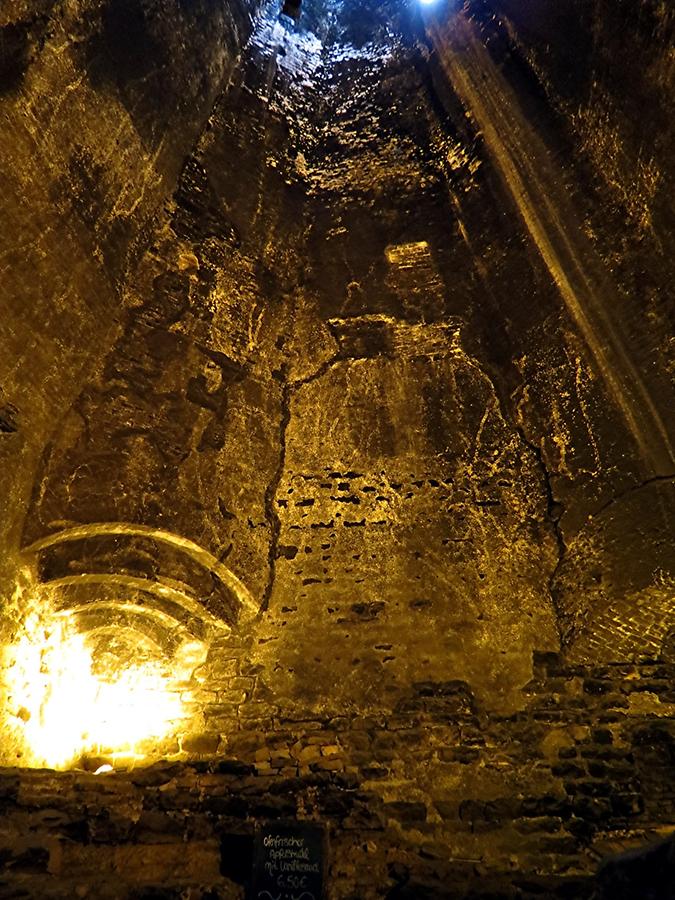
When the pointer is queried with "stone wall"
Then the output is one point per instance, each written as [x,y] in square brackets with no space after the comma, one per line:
[433,799]
[547,100]
[100,103]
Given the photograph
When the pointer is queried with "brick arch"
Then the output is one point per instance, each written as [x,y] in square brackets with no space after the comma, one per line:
[631,626]
[615,587]
[167,588]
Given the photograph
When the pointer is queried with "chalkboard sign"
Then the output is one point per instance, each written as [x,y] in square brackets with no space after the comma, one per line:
[288,862]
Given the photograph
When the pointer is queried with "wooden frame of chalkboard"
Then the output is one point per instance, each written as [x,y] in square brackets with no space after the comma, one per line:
[289,861]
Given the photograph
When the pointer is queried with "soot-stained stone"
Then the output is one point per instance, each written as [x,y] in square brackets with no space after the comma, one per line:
[85,185]
[127,55]
[8,420]
[199,210]
[645,872]
[236,857]
[31,860]
[9,787]
[15,51]
[126,50]
[572,25]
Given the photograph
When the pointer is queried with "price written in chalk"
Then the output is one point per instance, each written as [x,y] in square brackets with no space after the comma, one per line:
[288,863]
[305,895]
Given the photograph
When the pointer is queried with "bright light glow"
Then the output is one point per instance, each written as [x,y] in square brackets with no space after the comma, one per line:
[427,2]
[61,703]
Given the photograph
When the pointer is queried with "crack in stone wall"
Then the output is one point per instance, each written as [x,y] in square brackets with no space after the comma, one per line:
[272,489]
[289,389]
[553,512]
[656,479]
